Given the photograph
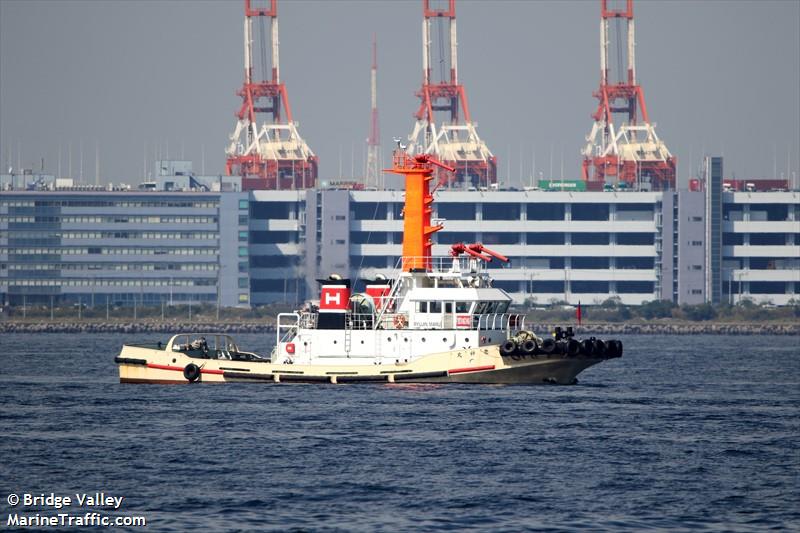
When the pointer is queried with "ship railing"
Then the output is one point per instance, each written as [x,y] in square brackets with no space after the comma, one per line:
[286,327]
[445,264]
[362,321]
[500,322]
[308,320]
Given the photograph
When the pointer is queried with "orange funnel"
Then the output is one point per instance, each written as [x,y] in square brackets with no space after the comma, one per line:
[417,227]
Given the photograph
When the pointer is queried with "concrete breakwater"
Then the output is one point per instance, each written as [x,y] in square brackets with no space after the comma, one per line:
[599,329]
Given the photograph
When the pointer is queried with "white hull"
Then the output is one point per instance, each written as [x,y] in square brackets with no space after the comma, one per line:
[480,365]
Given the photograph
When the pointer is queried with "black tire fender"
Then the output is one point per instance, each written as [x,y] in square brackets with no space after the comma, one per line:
[600,348]
[508,348]
[573,348]
[587,347]
[548,346]
[529,347]
[191,372]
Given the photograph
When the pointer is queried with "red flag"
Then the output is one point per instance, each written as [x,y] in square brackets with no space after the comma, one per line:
[578,313]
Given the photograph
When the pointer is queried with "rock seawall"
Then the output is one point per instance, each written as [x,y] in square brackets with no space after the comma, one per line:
[710,328]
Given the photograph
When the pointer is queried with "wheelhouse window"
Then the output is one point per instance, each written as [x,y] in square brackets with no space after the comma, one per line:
[462,307]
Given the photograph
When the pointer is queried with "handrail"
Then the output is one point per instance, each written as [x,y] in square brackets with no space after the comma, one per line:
[500,321]
[290,329]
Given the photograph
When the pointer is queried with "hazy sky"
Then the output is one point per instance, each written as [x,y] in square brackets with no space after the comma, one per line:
[719,76]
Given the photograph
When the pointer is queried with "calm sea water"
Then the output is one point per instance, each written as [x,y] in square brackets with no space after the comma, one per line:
[682,433]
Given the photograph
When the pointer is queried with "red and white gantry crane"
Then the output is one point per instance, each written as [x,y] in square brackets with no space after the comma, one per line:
[626,150]
[266,149]
[444,127]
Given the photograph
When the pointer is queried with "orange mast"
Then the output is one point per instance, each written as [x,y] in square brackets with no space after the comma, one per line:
[417,227]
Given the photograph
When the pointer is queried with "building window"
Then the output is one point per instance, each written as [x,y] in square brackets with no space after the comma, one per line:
[635,287]
[636,239]
[451,237]
[242,220]
[243,283]
[369,237]
[456,211]
[501,238]
[545,211]
[697,243]
[590,263]
[339,217]
[767,287]
[545,238]
[243,266]
[695,219]
[588,287]
[697,267]
[243,204]
[697,291]
[244,298]
[242,236]
[369,211]
[590,238]
[640,263]
[590,212]
[547,287]
[242,251]
[732,239]
[767,239]
[501,211]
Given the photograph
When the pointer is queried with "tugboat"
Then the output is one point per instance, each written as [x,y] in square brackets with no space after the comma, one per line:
[438,321]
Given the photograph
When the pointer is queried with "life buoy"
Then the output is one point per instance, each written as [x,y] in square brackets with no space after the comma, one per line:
[191,372]
[399,321]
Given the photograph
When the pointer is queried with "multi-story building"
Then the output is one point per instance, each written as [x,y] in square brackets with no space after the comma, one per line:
[205,241]
[104,247]
[760,247]
[563,246]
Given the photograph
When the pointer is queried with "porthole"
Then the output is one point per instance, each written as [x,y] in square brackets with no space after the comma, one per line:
[388,339]
[466,339]
[335,342]
[305,344]
[405,339]
[444,339]
[362,342]
[174,360]
[423,339]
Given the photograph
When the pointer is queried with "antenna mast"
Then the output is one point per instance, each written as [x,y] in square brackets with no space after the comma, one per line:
[373,171]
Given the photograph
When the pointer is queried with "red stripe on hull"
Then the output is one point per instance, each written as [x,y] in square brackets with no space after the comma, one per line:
[180,369]
[470,369]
